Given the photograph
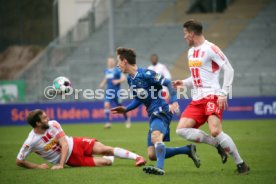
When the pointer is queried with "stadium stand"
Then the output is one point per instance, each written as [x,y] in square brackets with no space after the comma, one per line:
[243,31]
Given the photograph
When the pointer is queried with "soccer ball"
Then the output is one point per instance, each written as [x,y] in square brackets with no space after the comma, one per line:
[62,84]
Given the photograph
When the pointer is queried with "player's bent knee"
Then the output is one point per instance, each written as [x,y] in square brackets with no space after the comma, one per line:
[215,132]
[108,162]
[152,157]
[156,136]
[102,162]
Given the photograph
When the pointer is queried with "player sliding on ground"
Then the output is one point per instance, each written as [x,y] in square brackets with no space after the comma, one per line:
[146,86]
[48,140]
[209,99]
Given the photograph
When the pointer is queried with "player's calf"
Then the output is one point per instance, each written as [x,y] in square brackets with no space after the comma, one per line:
[102,162]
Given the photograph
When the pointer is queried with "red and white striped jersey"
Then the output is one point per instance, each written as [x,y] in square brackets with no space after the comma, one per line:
[46,145]
[205,62]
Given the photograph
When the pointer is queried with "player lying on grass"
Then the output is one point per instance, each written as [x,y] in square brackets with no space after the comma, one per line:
[48,140]
[209,100]
[146,86]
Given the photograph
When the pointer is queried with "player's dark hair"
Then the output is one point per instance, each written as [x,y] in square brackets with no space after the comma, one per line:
[34,116]
[128,54]
[193,26]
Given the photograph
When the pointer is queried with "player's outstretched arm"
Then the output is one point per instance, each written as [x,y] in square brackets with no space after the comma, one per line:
[31,165]
[63,155]
[121,109]
[188,82]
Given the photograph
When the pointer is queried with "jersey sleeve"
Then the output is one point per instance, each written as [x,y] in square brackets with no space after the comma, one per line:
[217,55]
[25,149]
[59,131]
[155,78]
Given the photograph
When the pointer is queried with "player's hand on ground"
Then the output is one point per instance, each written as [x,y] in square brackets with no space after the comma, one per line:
[55,167]
[43,166]
[177,83]
[174,107]
[118,110]
[222,102]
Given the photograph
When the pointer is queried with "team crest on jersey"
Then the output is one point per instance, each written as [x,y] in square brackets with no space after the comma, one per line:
[157,77]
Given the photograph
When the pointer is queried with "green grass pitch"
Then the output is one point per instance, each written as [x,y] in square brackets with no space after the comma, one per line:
[255,140]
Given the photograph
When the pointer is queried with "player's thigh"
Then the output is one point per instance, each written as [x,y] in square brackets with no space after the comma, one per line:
[107,105]
[214,124]
[151,153]
[157,130]
[185,122]
[101,161]
[101,149]
[156,136]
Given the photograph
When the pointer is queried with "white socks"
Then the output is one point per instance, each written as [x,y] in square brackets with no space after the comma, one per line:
[196,135]
[122,153]
[229,146]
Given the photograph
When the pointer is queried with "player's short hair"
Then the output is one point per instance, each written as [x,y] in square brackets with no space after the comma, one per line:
[128,54]
[34,116]
[193,26]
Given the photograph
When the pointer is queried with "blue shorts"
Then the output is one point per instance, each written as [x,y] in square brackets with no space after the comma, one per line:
[160,122]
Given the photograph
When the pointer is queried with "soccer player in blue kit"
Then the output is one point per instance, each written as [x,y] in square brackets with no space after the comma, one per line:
[146,87]
[112,80]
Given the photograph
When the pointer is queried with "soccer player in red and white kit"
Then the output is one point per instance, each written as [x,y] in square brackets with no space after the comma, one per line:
[206,60]
[48,140]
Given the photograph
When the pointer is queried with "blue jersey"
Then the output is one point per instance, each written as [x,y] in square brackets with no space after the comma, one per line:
[110,75]
[140,85]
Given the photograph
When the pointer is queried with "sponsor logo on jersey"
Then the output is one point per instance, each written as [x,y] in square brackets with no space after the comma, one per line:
[195,63]
[49,146]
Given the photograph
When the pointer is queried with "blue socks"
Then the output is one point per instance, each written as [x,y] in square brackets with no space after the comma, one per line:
[160,150]
[170,152]
[107,115]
